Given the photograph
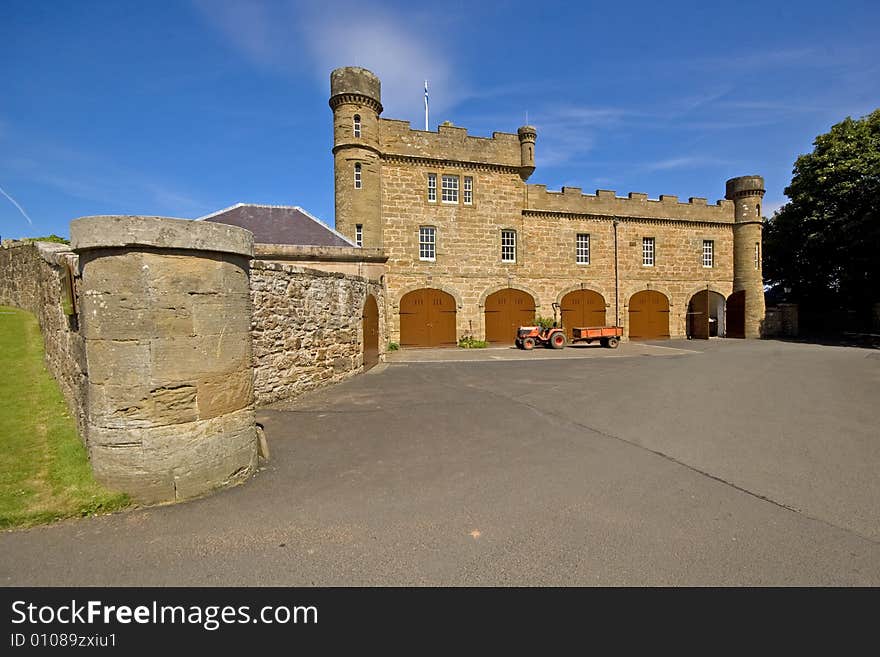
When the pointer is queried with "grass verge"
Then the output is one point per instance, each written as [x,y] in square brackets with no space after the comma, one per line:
[44,469]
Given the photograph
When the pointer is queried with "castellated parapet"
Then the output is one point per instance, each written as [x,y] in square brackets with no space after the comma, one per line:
[449,144]
[571,200]
[165,318]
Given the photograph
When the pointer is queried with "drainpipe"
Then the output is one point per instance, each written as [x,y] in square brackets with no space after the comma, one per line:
[616,282]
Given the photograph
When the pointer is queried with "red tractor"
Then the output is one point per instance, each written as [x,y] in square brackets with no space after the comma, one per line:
[529,336]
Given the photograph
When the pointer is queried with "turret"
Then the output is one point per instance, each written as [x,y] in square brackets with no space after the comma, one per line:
[355,98]
[527,137]
[747,192]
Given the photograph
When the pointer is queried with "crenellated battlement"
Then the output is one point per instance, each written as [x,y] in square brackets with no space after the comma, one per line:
[397,138]
[637,205]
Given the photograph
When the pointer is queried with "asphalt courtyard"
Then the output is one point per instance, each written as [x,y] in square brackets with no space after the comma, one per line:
[726,462]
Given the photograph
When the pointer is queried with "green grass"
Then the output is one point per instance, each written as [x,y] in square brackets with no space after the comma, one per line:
[44,469]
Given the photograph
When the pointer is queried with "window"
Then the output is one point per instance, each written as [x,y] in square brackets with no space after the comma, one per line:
[468,191]
[508,246]
[358,181]
[708,253]
[432,187]
[757,255]
[582,250]
[357,125]
[449,189]
[648,251]
[758,211]
[427,243]
[359,234]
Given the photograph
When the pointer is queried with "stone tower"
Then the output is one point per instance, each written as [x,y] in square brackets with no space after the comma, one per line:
[527,137]
[746,192]
[355,98]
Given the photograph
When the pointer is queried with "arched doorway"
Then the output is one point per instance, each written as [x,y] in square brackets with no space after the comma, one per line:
[648,316]
[706,316]
[506,311]
[582,308]
[427,319]
[736,315]
[370,325]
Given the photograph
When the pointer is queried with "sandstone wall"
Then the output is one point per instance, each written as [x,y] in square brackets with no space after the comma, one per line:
[166,322]
[468,262]
[307,328]
[31,278]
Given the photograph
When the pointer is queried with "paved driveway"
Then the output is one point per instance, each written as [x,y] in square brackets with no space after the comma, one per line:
[721,462]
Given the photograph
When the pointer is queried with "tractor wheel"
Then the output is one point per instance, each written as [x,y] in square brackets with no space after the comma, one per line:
[613,342]
[528,344]
[558,340]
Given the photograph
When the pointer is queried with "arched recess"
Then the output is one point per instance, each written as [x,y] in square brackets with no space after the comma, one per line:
[648,316]
[706,315]
[370,326]
[451,291]
[582,308]
[505,311]
[510,286]
[736,315]
[427,319]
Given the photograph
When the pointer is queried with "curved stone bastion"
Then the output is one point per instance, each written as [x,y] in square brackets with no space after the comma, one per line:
[165,316]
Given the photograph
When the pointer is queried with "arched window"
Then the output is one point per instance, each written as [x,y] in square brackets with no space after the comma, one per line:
[358,180]
[758,210]
[357,125]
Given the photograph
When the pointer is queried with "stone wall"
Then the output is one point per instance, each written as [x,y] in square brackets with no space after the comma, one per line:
[781,321]
[166,322]
[307,328]
[31,278]
[468,248]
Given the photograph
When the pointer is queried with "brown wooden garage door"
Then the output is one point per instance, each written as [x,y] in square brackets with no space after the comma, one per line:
[506,311]
[582,308]
[370,322]
[427,319]
[648,316]
[736,315]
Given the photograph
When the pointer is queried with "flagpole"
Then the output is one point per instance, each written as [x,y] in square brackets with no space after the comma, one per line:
[426,105]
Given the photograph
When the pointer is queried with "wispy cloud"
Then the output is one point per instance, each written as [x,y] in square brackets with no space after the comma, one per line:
[15,203]
[87,176]
[684,162]
[403,50]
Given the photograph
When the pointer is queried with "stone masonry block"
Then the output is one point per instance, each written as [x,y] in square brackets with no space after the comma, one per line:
[225,393]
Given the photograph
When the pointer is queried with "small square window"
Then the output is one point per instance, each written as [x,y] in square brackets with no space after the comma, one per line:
[582,249]
[708,253]
[432,187]
[427,243]
[648,251]
[508,246]
[468,191]
[449,187]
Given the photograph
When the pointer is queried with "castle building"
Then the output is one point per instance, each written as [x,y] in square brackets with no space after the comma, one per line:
[474,250]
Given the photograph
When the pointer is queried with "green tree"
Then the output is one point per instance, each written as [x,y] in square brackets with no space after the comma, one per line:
[825,243]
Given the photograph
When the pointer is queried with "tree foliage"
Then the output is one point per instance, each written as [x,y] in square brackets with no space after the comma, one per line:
[825,243]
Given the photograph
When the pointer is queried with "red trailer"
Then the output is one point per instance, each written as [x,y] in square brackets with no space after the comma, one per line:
[608,336]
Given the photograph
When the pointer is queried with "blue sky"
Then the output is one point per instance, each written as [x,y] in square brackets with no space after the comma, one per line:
[182,108]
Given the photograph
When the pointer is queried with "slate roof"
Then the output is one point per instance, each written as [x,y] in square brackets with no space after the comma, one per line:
[279,224]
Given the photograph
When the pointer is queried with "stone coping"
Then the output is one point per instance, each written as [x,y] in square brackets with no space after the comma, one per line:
[319,253]
[113,231]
